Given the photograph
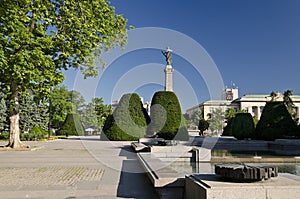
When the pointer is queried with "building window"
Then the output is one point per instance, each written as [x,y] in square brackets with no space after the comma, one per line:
[229,95]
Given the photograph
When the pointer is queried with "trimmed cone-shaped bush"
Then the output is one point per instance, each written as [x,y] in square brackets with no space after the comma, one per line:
[129,120]
[275,122]
[71,126]
[228,128]
[166,118]
[242,126]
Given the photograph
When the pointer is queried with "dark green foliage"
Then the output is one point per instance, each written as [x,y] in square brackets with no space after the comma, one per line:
[71,126]
[129,120]
[4,121]
[202,126]
[229,116]
[36,133]
[242,126]
[166,117]
[275,122]
[4,135]
[228,128]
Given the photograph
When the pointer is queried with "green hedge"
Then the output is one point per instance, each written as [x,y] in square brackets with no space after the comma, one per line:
[275,122]
[166,118]
[36,133]
[4,135]
[228,128]
[242,126]
[71,126]
[129,120]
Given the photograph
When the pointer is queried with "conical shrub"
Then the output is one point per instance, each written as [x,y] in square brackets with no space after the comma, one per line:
[71,126]
[166,117]
[129,120]
[275,122]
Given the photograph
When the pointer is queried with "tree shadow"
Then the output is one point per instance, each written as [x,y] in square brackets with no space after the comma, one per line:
[133,181]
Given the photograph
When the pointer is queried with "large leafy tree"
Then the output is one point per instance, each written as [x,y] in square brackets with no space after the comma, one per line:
[60,106]
[77,100]
[3,113]
[95,113]
[217,120]
[39,38]
[33,113]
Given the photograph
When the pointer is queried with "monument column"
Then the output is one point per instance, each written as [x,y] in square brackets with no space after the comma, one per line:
[168,70]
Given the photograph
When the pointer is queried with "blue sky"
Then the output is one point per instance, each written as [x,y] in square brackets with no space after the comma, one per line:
[253,43]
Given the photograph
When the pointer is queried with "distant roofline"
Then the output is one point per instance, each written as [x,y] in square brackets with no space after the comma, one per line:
[245,97]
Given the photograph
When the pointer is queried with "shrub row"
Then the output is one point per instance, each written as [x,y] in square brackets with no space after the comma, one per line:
[35,133]
[275,123]
[130,120]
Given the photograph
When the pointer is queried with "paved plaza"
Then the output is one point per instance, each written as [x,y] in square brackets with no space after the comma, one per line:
[78,167]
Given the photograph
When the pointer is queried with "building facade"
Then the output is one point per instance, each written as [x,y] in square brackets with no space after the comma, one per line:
[253,104]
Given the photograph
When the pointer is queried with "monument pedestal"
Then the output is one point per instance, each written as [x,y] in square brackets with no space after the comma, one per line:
[203,186]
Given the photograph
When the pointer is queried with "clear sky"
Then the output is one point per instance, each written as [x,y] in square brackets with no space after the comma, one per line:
[253,43]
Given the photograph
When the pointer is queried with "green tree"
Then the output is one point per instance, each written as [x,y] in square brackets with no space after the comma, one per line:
[288,102]
[275,122]
[217,120]
[77,101]
[40,38]
[71,126]
[229,116]
[34,112]
[165,115]
[3,113]
[243,126]
[203,125]
[129,120]
[273,96]
[60,106]
[95,113]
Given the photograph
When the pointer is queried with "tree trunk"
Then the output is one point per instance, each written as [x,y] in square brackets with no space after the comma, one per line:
[14,134]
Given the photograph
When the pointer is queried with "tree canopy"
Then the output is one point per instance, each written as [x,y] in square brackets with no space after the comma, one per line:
[40,38]
[217,120]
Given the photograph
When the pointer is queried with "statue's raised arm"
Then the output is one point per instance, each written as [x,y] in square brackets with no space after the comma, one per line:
[168,56]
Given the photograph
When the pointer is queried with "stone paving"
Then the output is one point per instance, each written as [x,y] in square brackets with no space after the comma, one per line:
[79,167]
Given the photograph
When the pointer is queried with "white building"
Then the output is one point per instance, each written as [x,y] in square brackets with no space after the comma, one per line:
[253,104]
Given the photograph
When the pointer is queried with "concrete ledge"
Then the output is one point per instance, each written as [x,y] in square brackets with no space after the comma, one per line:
[166,181]
[256,159]
[140,147]
[158,171]
[209,186]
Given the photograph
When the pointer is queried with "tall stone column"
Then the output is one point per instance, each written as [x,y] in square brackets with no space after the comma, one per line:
[168,78]
[168,70]
[258,112]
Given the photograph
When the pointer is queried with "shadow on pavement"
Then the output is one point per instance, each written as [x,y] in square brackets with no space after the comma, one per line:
[133,181]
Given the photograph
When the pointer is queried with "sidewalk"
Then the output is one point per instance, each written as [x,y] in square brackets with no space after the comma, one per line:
[80,167]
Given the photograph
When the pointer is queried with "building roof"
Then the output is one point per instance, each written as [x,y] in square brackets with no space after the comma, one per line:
[218,102]
[262,97]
